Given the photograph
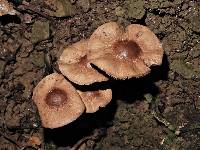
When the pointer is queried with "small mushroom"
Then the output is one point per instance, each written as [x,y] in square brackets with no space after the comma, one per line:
[57,101]
[75,65]
[124,53]
[93,100]
[6,8]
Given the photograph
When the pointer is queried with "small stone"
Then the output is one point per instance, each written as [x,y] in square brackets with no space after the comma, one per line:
[2,67]
[63,8]
[195,52]
[198,102]
[183,69]
[85,4]
[122,113]
[153,4]
[37,58]
[178,2]
[27,18]
[135,8]
[40,31]
[195,22]
[119,11]
[148,97]
[164,4]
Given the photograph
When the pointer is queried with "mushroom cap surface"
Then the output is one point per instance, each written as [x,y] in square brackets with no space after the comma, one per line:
[57,101]
[152,51]
[93,100]
[75,65]
[129,54]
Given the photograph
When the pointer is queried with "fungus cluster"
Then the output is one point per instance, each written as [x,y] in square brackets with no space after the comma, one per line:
[120,53]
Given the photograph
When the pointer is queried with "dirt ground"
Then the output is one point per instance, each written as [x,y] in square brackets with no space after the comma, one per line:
[159,111]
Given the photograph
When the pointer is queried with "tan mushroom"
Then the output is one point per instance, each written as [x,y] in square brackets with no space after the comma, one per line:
[93,100]
[74,64]
[124,53]
[6,8]
[57,101]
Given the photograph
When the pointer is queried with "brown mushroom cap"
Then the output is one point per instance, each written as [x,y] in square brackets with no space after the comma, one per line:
[129,54]
[74,64]
[95,99]
[57,101]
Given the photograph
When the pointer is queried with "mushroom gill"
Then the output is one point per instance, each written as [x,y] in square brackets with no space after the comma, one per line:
[57,101]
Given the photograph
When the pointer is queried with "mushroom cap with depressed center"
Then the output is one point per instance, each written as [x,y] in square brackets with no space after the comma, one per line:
[130,55]
[93,100]
[57,101]
[74,64]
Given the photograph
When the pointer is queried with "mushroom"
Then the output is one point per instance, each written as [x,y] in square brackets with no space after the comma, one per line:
[57,101]
[93,100]
[74,64]
[124,53]
[6,8]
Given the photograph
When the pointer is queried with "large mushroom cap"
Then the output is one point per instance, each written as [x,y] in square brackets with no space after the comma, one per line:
[129,54]
[57,100]
[74,64]
[93,100]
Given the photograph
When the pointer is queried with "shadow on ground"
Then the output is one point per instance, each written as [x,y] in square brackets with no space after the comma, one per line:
[127,91]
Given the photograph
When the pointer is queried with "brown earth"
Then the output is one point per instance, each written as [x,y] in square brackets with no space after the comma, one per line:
[159,111]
